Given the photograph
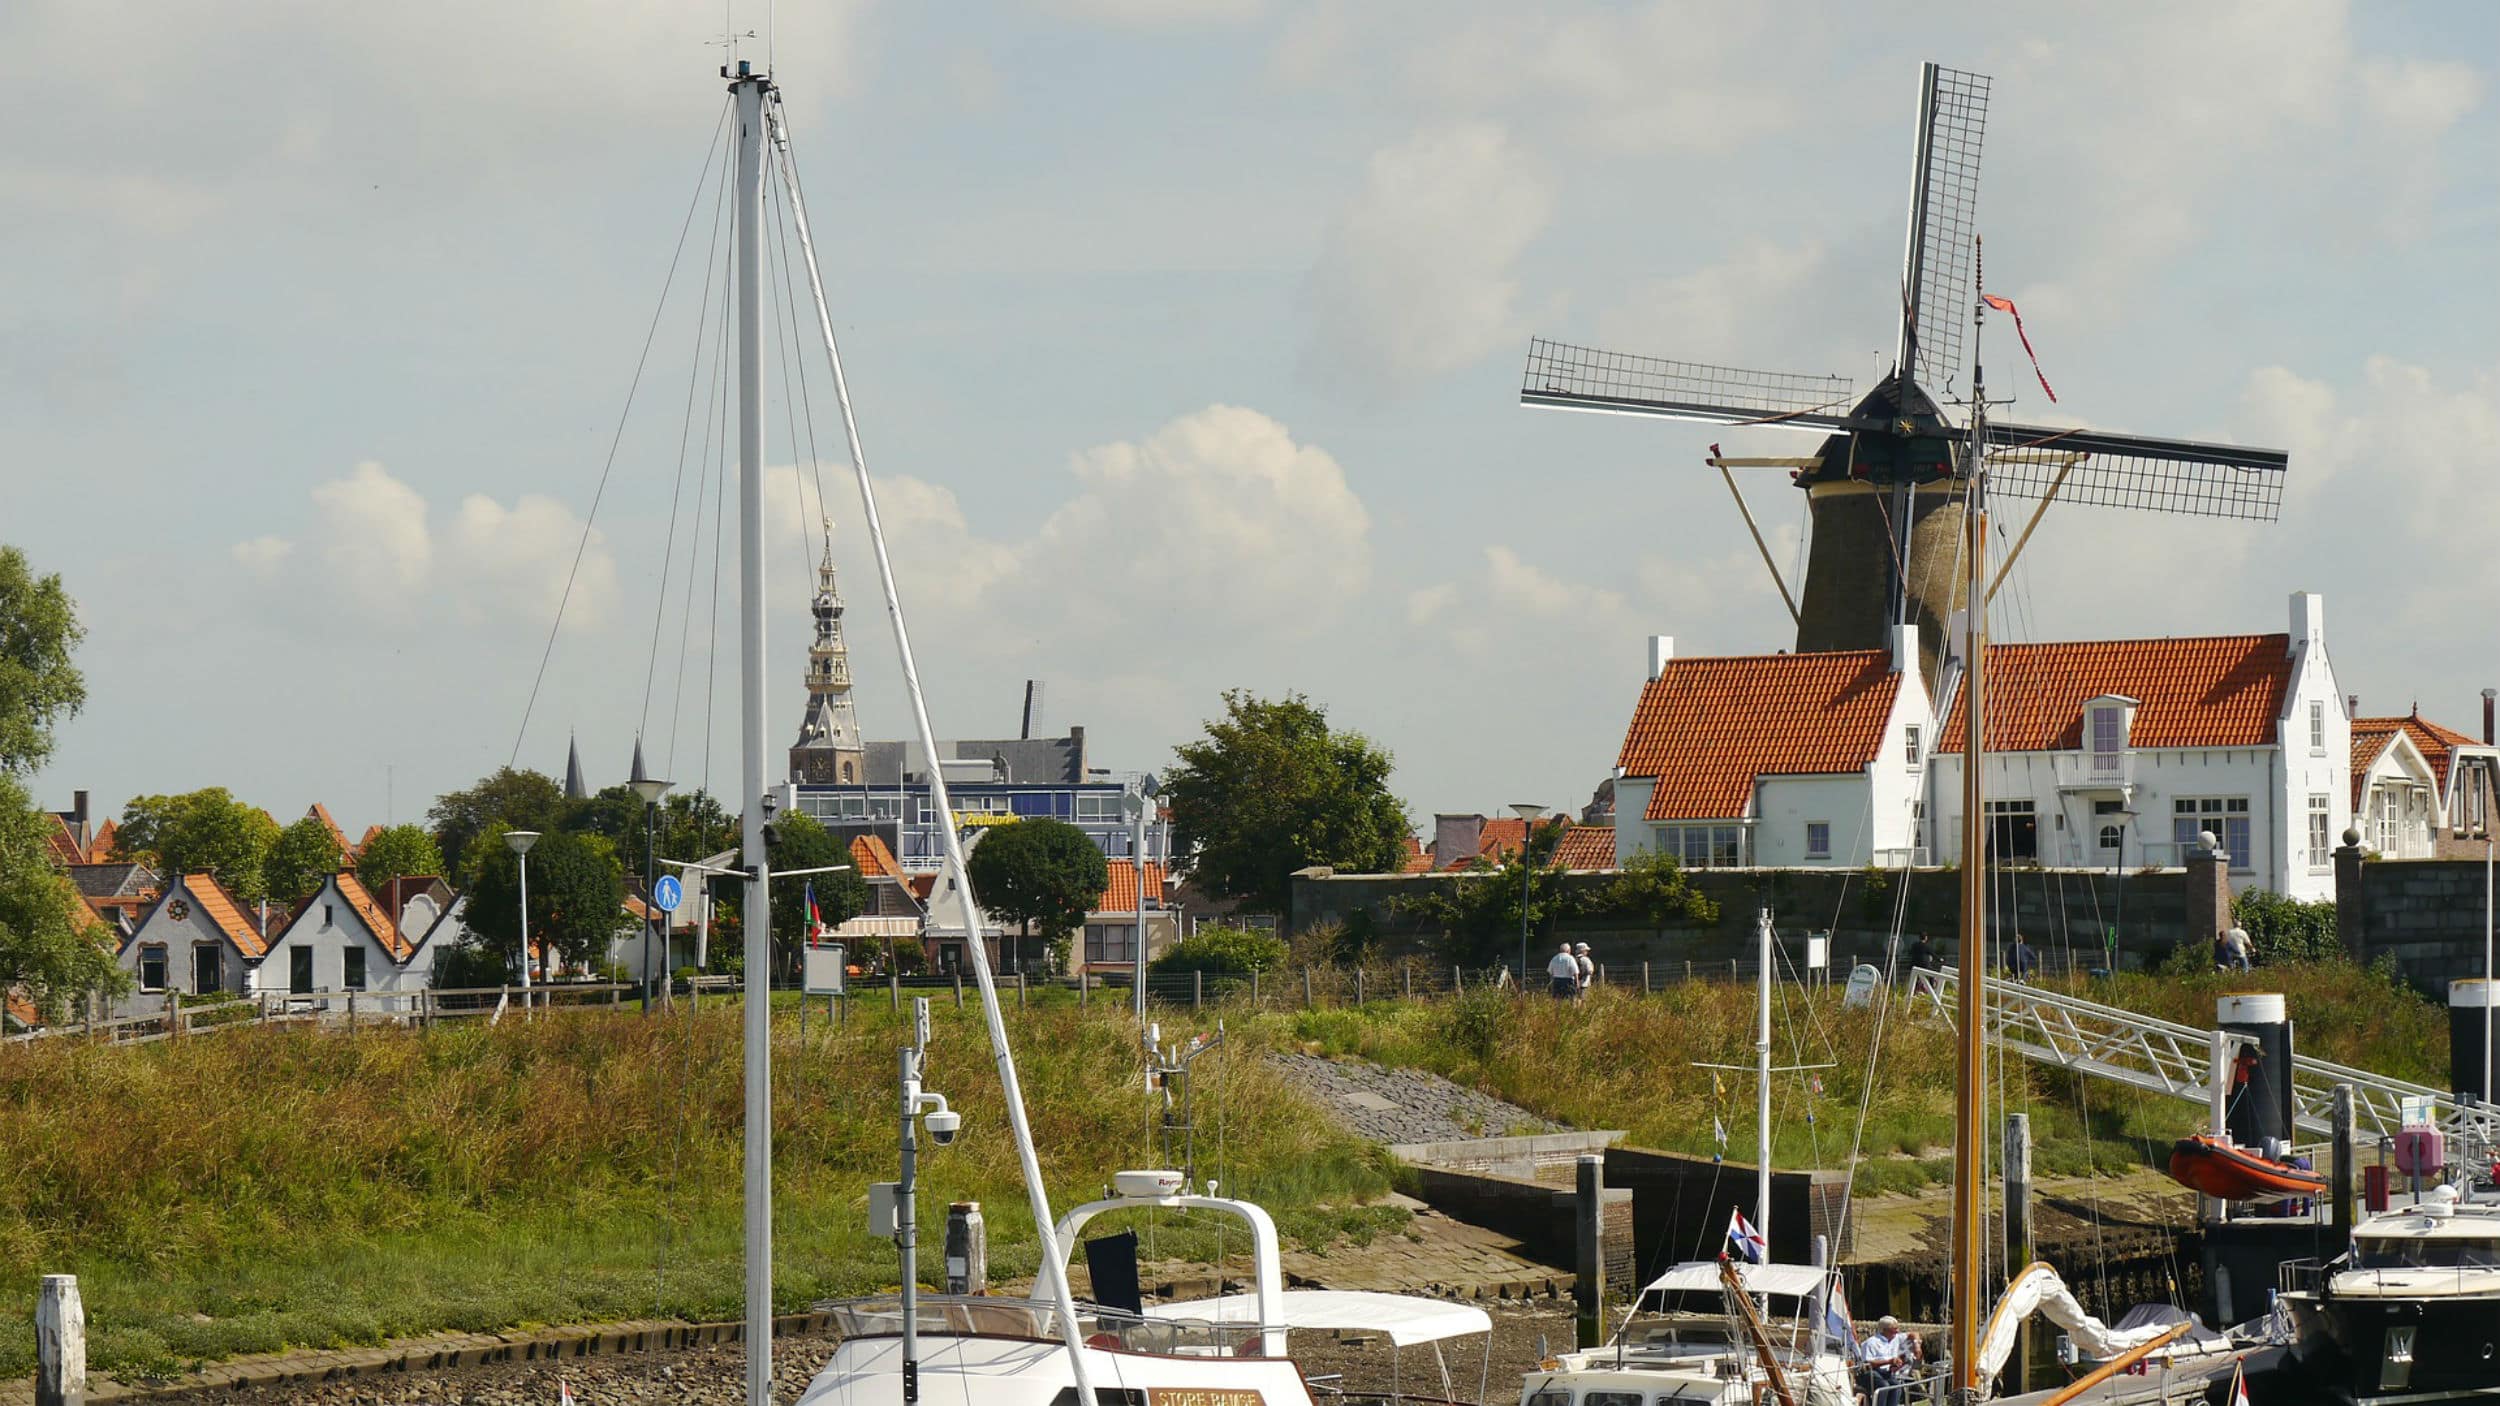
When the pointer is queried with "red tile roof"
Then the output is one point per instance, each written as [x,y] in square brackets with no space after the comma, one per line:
[1587,847]
[222,909]
[381,921]
[338,836]
[2437,744]
[1706,727]
[2370,736]
[2198,691]
[1497,840]
[1120,895]
[63,843]
[1418,859]
[100,847]
[873,860]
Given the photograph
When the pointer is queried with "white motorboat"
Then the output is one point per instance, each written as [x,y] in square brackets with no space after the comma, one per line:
[2412,1312]
[1681,1343]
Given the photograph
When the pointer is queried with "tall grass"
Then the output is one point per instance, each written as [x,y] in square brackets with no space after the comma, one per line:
[269,1188]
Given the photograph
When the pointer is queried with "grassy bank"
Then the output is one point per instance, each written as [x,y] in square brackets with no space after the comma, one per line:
[271,1188]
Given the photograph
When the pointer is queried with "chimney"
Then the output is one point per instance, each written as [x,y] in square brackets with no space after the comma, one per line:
[2352,705]
[2308,621]
[1456,837]
[1661,650]
[2490,733]
[1905,649]
[78,799]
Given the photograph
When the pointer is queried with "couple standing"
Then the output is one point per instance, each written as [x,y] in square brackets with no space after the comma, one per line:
[1570,971]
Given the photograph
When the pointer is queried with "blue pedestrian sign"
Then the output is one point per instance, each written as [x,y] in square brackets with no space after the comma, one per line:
[668,893]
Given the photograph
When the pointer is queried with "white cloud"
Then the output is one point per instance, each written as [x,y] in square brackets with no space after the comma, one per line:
[2420,97]
[514,561]
[1161,14]
[1416,275]
[262,556]
[373,535]
[1720,311]
[1646,78]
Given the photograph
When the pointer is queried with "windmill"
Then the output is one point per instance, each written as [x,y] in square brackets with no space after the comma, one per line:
[1883,488]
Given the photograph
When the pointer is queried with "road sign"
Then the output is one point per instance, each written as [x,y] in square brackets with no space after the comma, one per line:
[667,893]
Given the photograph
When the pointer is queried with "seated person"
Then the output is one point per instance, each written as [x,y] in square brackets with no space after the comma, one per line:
[1891,1358]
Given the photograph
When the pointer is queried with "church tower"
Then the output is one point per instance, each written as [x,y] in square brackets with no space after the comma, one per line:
[828,749]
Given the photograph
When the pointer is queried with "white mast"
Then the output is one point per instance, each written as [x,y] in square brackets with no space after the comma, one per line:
[1053,1277]
[1762,1095]
[750,89]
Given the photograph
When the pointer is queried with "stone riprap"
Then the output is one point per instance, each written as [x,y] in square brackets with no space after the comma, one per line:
[1406,1105]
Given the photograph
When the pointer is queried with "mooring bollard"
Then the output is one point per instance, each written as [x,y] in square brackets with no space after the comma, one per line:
[60,1343]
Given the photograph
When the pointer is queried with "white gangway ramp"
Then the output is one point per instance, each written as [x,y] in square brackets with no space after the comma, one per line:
[2164,1057]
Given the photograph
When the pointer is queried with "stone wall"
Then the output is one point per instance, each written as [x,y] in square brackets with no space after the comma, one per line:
[2053,907]
[2426,913]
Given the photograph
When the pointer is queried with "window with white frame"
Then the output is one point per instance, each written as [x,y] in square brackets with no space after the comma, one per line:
[2013,831]
[2317,724]
[152,966]
[2109,737]
[1110,942]
[2321,839]
[2226,816]
[1704,846]
[2472,807]
[2113,838]
[1098,807]
[1818,839]
[1909,745]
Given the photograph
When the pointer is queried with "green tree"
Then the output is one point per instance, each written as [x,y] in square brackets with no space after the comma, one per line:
[39,686]
[507,799]
[692,825]
[577,896]
[1043,874]
[2284,929]
[614,811]
[304,854]
[206,831]
[799,842]
[1478,909]
[1654,888]
[1271,789]
[50,950]
[399,852]
[1222,951]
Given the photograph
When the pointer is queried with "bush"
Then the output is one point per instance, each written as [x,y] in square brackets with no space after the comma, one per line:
[470,966]
[2287,930]
[1223,952]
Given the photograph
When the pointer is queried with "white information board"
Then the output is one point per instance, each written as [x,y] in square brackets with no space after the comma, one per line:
[820,969]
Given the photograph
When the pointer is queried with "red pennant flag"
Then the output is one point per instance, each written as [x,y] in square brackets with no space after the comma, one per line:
[2006,306]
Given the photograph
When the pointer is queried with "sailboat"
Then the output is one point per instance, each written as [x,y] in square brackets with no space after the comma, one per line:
[1046,1350]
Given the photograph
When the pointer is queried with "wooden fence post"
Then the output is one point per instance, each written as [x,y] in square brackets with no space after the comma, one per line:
[1306,988]
[894,989]
[351,1012]
[1358,986]
[1197,990]
[1645,986]
[173,1011]
[1688,969]
[1732,973]
[1019,990]
[959,988]
[1458,978]
[1254,990]
[1406,974]
[1084,984]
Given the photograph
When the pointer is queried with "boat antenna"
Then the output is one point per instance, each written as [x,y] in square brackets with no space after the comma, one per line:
[1053,1274]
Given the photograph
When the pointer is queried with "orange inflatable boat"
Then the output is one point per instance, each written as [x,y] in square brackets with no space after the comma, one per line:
[2215,1167]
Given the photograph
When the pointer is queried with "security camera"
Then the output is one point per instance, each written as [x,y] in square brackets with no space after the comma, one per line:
[943,1125]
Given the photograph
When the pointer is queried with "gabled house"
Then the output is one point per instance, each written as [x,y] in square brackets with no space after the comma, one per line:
[1776,759]
[2420,790]
[340,939]
[194,939]
[2119,754]
[116,893]
[1109,941]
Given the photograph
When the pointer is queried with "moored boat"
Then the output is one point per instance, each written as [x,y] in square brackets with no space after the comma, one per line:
[2219,1168]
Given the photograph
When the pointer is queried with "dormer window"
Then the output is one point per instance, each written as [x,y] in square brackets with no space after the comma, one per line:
[2105,726]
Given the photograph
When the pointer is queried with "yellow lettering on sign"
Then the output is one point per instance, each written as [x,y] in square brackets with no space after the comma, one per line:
[1204,1396]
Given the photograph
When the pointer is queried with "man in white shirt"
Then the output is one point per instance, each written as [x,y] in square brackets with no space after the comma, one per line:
[1588,969]
[1890,1356]
[1564,971]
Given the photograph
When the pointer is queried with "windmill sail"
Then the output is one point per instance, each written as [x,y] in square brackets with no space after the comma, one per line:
[1564,377]
[1944,211]
[2136,471]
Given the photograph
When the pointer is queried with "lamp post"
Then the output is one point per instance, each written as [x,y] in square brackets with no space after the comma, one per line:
[650,789]
[1528,815]
[521,840]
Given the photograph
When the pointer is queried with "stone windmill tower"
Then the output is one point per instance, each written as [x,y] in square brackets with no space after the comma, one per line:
[1887,484]
[828,751]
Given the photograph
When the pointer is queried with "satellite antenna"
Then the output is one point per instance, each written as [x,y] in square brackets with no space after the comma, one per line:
[1885,486]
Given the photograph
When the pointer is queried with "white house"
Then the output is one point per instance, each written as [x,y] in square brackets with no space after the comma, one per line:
[194,939]
[2420,790]
[342,939]
[1775,759]
[2101,754]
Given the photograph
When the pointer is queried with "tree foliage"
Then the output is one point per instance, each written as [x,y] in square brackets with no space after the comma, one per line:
[1223,951]
[206,831]
[1478,912]
[39,685]
[505,799]
[1043,875]
[1654,888]
[304,854]
[576,901]
[799,842]
[398,852]
[1271,789]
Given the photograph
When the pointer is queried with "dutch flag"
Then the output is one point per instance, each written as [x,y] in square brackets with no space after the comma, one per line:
[1836,1320]
[1748,1242]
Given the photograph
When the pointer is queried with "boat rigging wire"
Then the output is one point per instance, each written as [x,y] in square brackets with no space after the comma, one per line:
[615,440]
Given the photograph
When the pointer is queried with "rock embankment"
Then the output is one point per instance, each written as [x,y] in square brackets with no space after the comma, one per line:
[1406,1105]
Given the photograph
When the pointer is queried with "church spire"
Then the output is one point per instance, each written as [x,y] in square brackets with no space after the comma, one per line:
[828,749]
[574,790]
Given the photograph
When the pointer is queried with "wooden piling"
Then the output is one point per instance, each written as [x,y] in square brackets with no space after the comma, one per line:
[60,1343]
[1589,1214]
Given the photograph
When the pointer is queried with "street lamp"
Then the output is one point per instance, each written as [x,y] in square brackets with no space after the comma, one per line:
[650,789]
[521,840]
[1528,815]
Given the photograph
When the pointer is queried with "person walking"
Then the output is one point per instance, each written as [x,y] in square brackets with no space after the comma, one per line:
[2237,949]
[1562,971]
[1588,968]
[1922,954]
[2025,961]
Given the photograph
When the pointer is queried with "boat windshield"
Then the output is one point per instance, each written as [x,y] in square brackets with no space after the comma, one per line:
[943,1315]
[2444,1252]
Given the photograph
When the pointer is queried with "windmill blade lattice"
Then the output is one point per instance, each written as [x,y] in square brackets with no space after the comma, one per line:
[1567,377]
[2137,471]
[1944,213]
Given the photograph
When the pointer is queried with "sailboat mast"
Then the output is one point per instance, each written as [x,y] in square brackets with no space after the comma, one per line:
[1969,1218]
[1762,1091]
[749,88]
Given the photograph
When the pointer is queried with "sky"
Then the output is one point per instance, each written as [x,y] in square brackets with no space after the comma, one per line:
[1185,342]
